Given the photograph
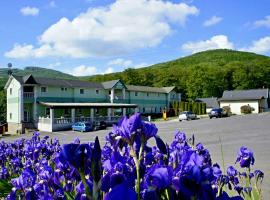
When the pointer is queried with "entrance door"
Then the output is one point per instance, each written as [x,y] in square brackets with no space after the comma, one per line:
[26,116]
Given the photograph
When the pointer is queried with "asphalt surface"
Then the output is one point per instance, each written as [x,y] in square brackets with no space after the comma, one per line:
[225,135]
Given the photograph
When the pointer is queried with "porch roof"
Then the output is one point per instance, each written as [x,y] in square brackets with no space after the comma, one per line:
[90,105]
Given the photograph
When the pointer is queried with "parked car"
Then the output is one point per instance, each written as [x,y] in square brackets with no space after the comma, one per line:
[100,125]
[83,126]
[217,113]
[187,115]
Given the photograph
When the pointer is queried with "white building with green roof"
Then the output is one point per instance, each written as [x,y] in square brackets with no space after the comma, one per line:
[51,104]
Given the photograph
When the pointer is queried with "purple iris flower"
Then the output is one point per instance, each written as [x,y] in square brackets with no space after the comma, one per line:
[121,192]
[180,137]
[128,127]
[25,180]
[225,196]
[258,174]
[231,171]
[148,130]
[245,157]
[159,176]
[216,171]
[77,155]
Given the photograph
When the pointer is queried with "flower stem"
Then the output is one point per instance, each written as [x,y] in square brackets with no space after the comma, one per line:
[87,189]
[137,163]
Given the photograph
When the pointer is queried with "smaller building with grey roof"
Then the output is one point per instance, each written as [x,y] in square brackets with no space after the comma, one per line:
[258,99]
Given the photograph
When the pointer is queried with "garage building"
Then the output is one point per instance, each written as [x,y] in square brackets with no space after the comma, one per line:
[258,99]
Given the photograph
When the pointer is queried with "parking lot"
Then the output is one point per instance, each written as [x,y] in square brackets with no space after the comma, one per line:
[233,132]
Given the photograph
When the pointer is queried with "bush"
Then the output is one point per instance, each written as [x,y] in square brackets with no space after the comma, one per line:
[246,109]
[227,110]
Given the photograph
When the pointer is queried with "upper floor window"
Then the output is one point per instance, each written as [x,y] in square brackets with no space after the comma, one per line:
[136,93]
[10,91]
[81,91]
[97,91]
[43,89]
[147,94]
[63,89]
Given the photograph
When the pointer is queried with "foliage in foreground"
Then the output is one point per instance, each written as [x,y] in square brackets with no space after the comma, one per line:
[125,168]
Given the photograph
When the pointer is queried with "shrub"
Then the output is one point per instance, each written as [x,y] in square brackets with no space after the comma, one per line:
[227,110]
[246,109]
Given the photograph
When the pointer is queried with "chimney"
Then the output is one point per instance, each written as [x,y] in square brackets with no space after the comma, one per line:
[9,69]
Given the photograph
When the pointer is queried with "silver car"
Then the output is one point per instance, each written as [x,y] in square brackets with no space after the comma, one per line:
[187,115]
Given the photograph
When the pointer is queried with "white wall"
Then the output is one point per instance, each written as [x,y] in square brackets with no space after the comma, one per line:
[236,106]
[14,102]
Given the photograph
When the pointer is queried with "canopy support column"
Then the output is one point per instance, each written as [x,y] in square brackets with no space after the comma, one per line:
[73,111]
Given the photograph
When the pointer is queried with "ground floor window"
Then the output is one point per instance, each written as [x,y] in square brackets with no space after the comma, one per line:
[10,115]
[47,112]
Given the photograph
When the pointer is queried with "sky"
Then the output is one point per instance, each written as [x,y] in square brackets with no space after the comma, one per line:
[87,37]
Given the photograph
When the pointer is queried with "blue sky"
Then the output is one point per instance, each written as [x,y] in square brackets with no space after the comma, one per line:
[86,37]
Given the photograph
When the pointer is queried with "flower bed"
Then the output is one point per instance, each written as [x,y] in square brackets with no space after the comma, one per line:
[125,168]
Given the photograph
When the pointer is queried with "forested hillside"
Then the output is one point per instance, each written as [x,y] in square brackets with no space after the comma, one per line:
[203,74]
[36,71]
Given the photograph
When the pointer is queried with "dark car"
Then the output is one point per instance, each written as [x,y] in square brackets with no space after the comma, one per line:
[217,113]
[100,125]
[83,126]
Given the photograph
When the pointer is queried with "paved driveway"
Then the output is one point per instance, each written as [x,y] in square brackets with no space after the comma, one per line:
[252,131]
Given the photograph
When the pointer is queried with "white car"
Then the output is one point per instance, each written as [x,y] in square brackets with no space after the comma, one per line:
[187,115]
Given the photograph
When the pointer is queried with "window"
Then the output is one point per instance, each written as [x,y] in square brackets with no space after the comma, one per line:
[10,91]
[63,89]
[66,111]
[79,111]
[147,94]
[47,111]
[10,115]
[158,94]
[43,89]
[81,91]
[97,91]
[143,109]
[155,109]
[136,94]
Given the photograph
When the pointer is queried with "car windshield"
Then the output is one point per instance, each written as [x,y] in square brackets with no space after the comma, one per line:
[87,124]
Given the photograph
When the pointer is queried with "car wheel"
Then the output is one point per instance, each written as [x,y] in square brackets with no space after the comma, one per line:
[180,120]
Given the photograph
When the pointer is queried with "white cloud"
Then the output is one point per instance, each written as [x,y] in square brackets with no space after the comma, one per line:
[52,4]
[121,62]
[215,42]
[264,22]
[261,45]
[212,21]
[53,65]
[109,70]
[119,28]
[33,11]
[83,70]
